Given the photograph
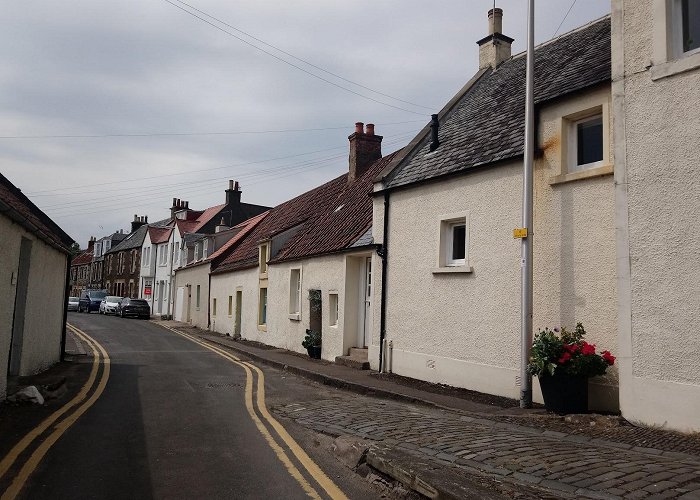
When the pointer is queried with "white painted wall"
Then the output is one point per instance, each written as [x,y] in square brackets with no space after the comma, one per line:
[46,293]
[463,329]
[197,275]
[223,285]
[657,97]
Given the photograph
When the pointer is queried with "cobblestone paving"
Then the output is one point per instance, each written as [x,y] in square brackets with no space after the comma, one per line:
[567,463]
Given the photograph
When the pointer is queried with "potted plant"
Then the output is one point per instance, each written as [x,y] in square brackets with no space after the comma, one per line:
[312,343]
[563,362]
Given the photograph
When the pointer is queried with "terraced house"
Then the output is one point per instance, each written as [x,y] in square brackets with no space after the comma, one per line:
[307,264]
[123,261]
[446,206]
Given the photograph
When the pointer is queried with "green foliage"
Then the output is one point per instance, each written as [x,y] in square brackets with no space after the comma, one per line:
[313,338]
[315,300]
[567,351]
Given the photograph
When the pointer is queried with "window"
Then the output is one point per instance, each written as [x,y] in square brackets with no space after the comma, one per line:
[213,307]
[196,251]
[453,254]
[163,254]
[586,143]
[690,21]
[230,305]
[198,296]
[295,294]
[263,258]
[333,309]
[205,249]
[262,307]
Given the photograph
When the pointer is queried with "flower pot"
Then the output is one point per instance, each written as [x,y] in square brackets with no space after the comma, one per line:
[564,394]
[314,351]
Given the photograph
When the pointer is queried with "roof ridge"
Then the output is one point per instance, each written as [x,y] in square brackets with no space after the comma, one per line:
[563,35]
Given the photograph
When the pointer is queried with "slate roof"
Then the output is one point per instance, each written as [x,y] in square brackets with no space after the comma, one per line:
[485,123]
[132,240]
[14,204]
[329,219]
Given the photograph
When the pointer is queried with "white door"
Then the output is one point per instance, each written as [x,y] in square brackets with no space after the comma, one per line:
[365,319]
[179,303]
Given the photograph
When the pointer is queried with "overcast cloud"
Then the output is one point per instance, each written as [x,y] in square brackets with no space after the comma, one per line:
[146,67]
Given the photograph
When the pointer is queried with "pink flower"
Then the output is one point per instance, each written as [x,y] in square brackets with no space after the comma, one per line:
[587,349]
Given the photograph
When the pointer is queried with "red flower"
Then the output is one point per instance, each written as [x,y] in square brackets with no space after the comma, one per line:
[564,358]
[587,349]
[572,348]
[609,358]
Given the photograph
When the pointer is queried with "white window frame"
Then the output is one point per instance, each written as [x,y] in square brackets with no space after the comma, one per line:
[263,257]
[668,55]
[333,308]
[295,294]
[213,306]
[445,262]
[262,305]
[572,164]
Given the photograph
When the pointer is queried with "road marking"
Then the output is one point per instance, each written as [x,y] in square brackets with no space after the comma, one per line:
[311,467]
[38,454]
[19,448]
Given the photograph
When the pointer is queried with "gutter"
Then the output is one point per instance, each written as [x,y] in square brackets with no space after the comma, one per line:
[385,257]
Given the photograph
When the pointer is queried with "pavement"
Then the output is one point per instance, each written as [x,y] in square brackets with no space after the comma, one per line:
[438,440]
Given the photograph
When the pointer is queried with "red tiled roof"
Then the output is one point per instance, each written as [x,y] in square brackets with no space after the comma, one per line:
[207,216]
[159,234]
[17,206]
[185,226]
[341,223]
[324,229]
[246,227]
[83,258]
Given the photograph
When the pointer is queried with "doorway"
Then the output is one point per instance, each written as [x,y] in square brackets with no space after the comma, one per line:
[315,311]
[365,309]
[237,319]
[17,339]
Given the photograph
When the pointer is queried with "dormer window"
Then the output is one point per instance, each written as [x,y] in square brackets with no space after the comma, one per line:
[205,249]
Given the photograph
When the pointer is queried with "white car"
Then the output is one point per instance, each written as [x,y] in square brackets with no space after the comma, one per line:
[73,303]
[109,304]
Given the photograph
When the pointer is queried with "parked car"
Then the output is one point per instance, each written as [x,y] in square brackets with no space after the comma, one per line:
[134,307]
[109,304]
[90,300]
[73,303]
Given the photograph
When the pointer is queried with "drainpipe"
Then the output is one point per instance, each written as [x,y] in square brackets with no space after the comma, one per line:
[384,256]
[65,308]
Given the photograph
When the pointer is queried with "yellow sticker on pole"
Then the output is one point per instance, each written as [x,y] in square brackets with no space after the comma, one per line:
[520,232]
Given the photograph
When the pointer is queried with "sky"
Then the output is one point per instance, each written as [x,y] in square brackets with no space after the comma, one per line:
[112,109]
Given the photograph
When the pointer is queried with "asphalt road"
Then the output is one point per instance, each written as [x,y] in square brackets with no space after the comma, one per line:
[171,423]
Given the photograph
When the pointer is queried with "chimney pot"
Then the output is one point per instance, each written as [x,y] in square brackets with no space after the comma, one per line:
[359,127]
[369,129]
[230,184]
[187,204]
[434,127]
[495,21]
[174,202]
[136,217]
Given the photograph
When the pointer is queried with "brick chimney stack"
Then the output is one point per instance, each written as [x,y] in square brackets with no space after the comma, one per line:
[178,205]
[233,193]
[494,48]
[365,149]
[91,243]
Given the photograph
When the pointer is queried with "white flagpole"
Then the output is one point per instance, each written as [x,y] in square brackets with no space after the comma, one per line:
[526,245]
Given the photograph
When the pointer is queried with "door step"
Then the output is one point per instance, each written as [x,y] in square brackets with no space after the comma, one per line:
[358,359]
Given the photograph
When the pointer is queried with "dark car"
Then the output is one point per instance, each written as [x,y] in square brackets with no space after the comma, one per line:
[134,307]
[90,300]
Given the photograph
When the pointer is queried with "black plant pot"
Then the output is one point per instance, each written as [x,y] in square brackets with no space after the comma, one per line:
[314,351]
[564,394]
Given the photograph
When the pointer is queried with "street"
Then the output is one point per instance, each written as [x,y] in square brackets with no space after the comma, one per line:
[171,423]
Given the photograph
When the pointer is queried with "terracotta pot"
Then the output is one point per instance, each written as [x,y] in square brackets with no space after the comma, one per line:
[564,394]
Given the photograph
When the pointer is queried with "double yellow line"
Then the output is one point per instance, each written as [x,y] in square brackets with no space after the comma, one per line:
[304,460]
[98,353]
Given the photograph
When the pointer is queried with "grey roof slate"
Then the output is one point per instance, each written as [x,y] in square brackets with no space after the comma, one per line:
[486,124]
[133,240]
[364,240]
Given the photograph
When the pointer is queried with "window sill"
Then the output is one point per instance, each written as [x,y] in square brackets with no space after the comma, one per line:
[263,276]
[583,174]
[675,67]
[295,317]
[453,269]
[262,328]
